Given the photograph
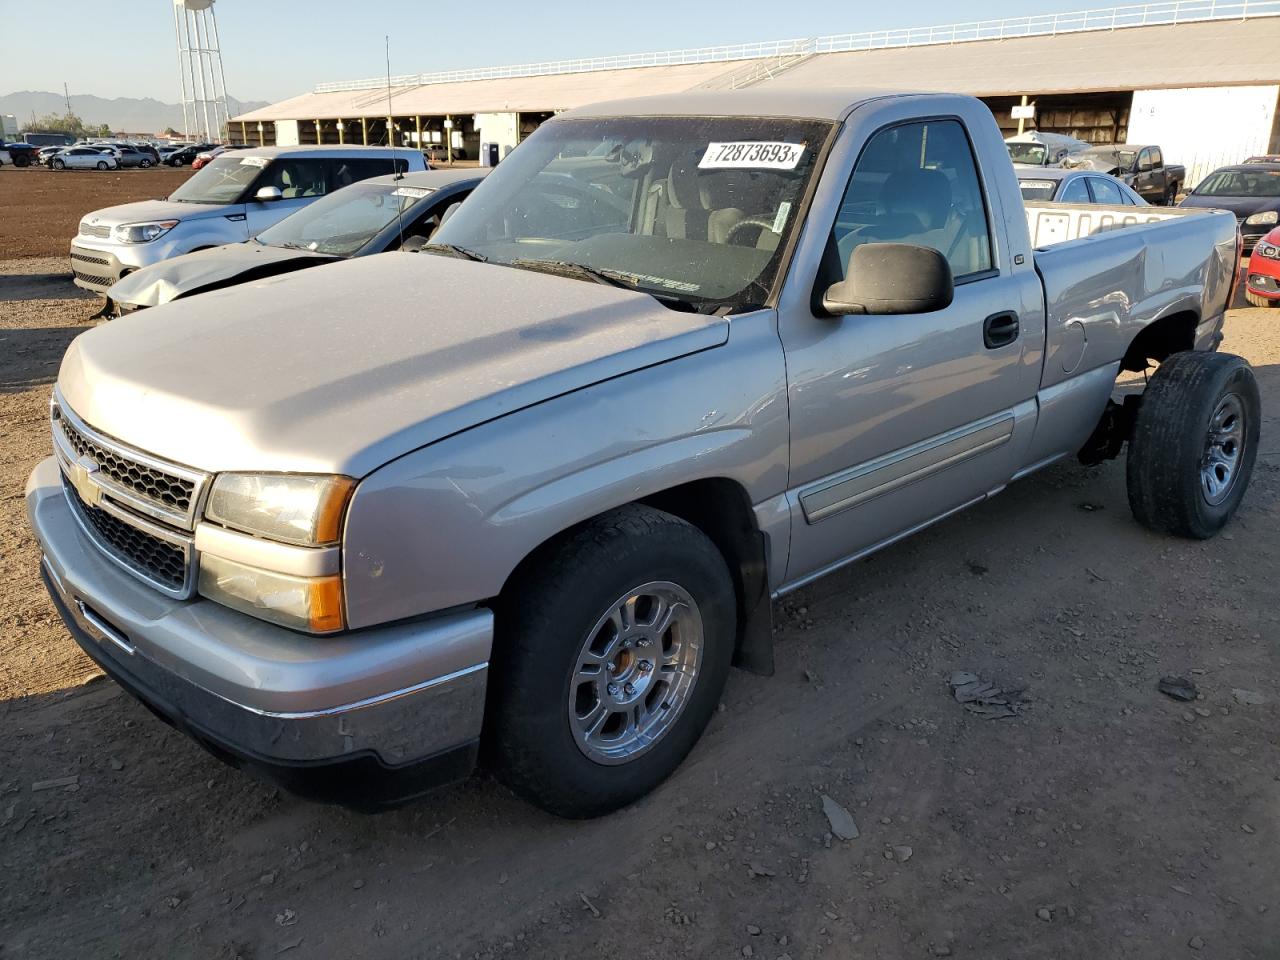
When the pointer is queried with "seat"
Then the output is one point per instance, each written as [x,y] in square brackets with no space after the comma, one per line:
[916,207]
[700,203]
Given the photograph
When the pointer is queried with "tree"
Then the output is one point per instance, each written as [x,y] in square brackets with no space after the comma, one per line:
[69,123]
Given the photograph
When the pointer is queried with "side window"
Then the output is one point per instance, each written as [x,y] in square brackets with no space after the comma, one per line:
[917,183]
[1105,191]
[1076,191]
[297,178]
[344,171]
[1144,159]
[1157,159]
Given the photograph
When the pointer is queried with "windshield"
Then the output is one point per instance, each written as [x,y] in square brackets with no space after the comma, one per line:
[1033,190]
[694,211]
[1119,158]
[220,181]
[1240,183]
[1035,154]
[343,222]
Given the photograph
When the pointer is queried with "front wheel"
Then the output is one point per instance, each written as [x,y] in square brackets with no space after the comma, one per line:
[1171,195]
[1194,443]
[59,165]
[144,164]
[102,165]
[612,652]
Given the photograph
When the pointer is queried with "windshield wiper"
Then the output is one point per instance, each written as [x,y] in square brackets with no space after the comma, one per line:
[614,278]
[452,249]
[567,268]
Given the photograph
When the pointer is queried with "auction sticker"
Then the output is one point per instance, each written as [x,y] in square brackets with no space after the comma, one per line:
[417,193]
[754,154]
[254,161]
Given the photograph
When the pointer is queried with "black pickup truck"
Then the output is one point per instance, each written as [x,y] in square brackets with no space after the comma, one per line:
[1141,166]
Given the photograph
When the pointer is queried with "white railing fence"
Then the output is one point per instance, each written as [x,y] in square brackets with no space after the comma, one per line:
[1111,18]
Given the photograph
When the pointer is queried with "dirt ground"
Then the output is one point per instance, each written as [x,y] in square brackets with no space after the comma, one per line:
[40,209]
[1106,820]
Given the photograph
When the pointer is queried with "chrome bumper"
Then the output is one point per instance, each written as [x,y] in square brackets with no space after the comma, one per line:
[401,694]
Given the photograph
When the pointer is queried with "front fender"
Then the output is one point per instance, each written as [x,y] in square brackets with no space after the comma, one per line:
[446,525]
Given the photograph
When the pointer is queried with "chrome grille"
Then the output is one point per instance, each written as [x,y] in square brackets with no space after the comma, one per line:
[140,511]
[155,485]
[94,230]
[148,556]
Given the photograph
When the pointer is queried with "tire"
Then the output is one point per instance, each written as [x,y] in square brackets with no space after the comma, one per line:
[59,164]
[569,602]
[1171,195]
[22,161]
[176,162]
[1258,300]
[1194,443]
[102,165]
[144,163]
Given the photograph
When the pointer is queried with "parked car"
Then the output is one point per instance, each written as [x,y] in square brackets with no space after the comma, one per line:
[232,199]
[21,154]
[1251,191]
[540,484]
[1036,149]
[207,155]
[1262,279]
[439,153]
[1075,186]
[373,216]
[128,156]
[187,155]
[1140,166]
[83,158]
[1265,158]
[45,154]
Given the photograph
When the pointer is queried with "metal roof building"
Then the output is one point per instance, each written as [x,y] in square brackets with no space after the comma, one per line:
[1151,72]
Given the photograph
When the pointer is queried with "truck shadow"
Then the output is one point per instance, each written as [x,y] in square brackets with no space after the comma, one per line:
[30,356]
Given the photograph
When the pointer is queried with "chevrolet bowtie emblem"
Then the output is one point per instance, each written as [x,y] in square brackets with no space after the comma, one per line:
[82,472]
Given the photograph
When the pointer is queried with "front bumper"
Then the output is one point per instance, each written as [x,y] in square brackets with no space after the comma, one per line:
[369,719]
[97,264]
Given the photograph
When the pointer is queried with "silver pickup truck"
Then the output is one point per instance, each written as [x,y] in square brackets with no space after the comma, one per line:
[523,497]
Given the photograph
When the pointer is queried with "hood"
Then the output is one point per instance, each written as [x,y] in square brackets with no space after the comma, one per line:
[343,369]
[145,210]
[219,266]
[1242,207]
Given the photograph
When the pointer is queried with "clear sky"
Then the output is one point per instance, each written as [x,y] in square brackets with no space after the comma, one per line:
[273,49]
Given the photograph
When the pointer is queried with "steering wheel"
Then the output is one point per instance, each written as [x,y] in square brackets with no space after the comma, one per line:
[763,223]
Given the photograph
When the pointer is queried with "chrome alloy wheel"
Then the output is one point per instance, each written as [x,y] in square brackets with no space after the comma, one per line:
[635,672]
[1223,449]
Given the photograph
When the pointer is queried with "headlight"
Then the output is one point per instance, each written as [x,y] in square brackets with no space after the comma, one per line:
[144,232]
[1259,219]
[1268,250]
[313,604]
[292,508]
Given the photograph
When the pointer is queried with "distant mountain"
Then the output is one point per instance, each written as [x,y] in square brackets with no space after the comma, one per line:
[127,114]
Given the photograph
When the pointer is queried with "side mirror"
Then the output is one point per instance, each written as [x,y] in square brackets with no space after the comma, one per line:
[413,244]
[268,195]
[889,278]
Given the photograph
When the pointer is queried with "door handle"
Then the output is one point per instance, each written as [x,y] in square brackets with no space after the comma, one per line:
[1000,330]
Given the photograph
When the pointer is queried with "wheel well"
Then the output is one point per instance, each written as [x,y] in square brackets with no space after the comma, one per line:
[721,509]
[1160,340]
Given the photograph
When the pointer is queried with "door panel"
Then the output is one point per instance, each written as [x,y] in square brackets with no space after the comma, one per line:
[899,419]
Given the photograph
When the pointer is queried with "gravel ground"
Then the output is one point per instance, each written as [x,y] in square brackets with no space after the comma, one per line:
[1104,820]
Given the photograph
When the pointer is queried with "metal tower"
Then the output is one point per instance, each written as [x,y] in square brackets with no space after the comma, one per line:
[204,86]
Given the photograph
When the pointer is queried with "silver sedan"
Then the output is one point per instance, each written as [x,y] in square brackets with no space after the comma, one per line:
[83,158]
[1045,184]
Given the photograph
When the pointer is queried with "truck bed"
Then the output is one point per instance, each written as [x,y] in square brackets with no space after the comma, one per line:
[1109,271]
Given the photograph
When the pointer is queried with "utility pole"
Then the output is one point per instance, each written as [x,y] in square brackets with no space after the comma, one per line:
[66,96]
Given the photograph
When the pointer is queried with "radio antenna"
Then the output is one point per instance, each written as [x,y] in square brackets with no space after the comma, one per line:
[391,142]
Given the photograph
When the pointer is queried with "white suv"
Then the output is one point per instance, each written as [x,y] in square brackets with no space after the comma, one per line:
[231,199]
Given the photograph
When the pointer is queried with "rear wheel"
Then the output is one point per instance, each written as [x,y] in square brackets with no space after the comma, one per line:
[22,160]
[1258,300]
[144,163]
[1171,195]
[1194,444]
[612,653]
[176,161]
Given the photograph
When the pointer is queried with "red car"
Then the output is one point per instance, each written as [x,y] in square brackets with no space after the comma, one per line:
[1262,285]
